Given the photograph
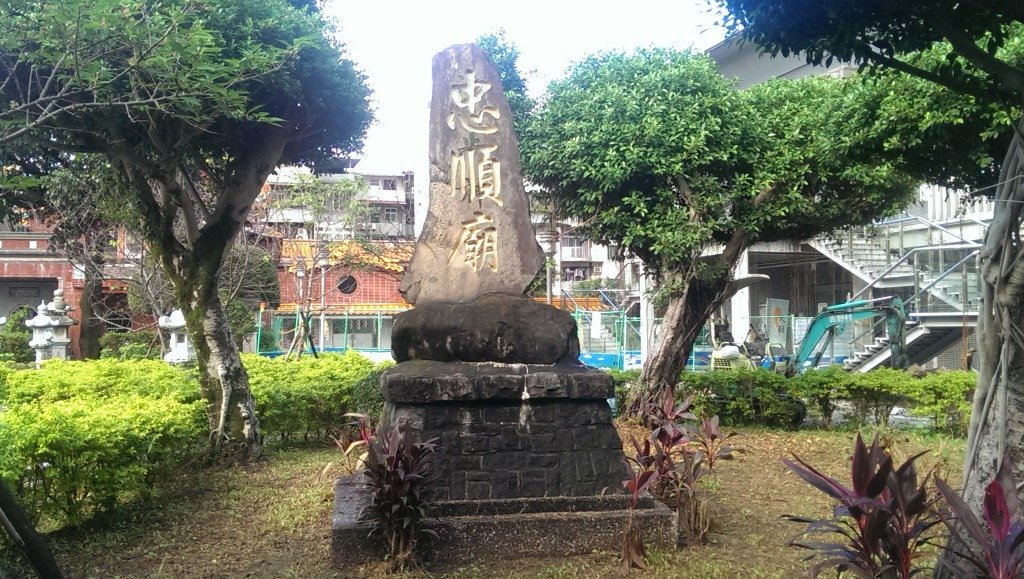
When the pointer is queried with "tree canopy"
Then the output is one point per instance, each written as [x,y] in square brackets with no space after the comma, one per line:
[661,154]
[983,36]
[193,104]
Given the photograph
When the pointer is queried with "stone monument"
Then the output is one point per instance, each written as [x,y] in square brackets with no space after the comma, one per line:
[529,462]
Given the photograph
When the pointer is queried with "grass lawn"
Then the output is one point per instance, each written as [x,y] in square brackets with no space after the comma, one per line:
[273,519]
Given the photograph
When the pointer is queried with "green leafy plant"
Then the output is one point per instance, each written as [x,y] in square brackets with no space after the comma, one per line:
[825,388]
[304,398]
[882,518]
[946,398]
[80,439]
[14,337]
[875,393]
[990,547]
[399,473]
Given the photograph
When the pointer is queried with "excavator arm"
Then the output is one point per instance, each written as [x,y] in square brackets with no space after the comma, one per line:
[833,320]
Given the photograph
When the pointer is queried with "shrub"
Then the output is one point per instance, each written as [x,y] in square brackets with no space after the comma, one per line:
[875,393]
[399,474]
[80,438]
[65,380]
[130,345]
[882,518]
[15,336]
[307,396]
[367,397]
[742,396]
[824,388]
[946,397]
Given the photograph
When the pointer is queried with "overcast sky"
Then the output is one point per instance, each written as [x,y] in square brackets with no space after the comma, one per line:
[393,43]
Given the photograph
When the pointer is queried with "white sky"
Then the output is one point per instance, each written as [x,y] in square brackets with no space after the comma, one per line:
[393,42]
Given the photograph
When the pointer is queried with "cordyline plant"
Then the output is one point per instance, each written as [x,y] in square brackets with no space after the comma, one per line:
[640,474]
[666,465]
[884,517]
[711,442]
[991,547]
[399,473]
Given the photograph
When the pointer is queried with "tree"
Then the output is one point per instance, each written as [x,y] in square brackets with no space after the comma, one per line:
[505,56]
[325,211]
[659,153]
[193,104]
[983,59]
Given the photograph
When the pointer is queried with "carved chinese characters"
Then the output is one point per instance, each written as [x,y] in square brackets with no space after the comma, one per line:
[477,238]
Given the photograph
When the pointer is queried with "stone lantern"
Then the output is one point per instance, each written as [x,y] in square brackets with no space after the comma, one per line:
[51,338]
[180,350]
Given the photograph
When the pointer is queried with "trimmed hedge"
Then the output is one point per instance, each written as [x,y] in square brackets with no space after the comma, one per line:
[755,396]
[80,438]
[760,396]
[305,397]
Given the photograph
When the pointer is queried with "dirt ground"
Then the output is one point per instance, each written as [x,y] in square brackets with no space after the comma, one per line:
[273,519]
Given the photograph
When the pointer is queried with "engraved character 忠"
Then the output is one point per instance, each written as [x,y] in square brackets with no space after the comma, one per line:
[468,97]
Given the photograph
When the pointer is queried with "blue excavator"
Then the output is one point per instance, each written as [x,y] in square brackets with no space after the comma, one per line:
[833,320]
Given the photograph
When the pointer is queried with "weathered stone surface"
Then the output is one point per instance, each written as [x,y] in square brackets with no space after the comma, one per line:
[487,530]
[492,328]
[477,237]
[425,381]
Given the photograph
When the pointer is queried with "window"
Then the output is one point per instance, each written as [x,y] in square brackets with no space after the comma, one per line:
[391,214]
[575,273]
[389,184]
[575,247]
[374,182]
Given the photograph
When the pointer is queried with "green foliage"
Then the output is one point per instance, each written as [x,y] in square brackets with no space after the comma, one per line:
[130,345]
[307,396]
[873,34]
[875,393]
[78,439]
[367,397]
[661,154]
[65,380]
[505,56]
[945,397]
[15,336]
[755,396]
[824,387]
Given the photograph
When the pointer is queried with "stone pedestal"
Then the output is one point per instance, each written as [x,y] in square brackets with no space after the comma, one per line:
[528,464]
[510,430]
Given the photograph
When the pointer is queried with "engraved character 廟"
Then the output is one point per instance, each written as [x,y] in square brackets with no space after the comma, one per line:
[480,242]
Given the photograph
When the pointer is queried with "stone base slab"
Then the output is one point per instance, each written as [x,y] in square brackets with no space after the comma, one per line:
[498,529]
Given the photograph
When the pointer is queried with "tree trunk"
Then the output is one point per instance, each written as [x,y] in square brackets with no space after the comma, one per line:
[234,426]
[680,326]
[19,529]
[997,417]
[92,327]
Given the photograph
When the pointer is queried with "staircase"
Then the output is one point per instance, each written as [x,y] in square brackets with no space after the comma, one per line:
[938,281]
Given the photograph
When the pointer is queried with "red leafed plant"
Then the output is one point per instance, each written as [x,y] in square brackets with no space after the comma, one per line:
[398,473]
[711,442]
[638,479]
[883,517]
[992,546]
